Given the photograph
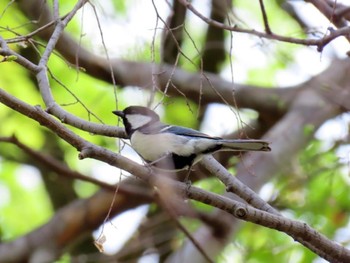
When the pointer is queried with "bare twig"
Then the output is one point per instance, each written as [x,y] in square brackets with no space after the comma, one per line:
[266,22]
[6,7]
[110,65]
[60,25]
[329,12]
[21,38]
[319,43]
[171,205]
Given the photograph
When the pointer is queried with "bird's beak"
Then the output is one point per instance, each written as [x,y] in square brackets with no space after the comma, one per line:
[119,113]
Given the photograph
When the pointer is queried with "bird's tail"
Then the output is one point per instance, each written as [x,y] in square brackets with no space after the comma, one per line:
[245,145]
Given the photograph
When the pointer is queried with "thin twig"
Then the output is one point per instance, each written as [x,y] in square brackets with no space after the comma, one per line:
[166,205]
[6,7]
[21,38]
[319,43]
[266,22]
[110,65]
[58,31]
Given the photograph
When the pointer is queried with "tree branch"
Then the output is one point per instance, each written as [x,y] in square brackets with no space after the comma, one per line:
[264,15]
[48,242]
[319,43]
[56,166]
[172,37]
[332,250]
[214,51]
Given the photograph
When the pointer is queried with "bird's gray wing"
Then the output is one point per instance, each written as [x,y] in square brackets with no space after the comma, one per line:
[153,128]
[159,127]
[186,132]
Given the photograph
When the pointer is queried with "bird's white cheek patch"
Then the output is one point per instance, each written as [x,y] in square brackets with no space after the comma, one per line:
[137,120]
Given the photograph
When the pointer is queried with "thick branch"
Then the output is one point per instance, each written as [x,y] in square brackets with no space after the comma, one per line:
[214,52]
[173,36]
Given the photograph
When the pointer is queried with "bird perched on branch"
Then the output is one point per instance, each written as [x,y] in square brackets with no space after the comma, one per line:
[173,147]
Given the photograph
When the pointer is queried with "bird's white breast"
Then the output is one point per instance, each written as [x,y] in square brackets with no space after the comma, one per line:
[154,146]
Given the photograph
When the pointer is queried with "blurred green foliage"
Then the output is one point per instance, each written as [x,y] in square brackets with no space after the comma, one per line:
[24,203]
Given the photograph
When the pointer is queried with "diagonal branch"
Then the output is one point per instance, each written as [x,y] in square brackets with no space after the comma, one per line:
[55,165]
[331,250]
[59,27]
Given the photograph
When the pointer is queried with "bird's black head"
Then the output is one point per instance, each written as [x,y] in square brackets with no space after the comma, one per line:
[135,117]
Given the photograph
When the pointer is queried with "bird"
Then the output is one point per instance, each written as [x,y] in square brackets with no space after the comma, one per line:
[170,147]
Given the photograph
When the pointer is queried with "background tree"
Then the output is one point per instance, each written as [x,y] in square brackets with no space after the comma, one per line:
[217,66]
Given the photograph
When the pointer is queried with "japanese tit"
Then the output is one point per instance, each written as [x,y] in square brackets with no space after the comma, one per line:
[174,147]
